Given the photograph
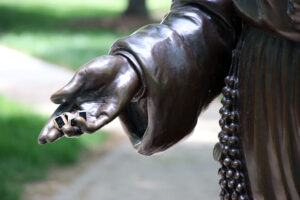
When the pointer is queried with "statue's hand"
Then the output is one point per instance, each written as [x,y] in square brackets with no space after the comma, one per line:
[101,88]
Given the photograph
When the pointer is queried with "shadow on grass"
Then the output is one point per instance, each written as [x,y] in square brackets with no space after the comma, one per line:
[21,158]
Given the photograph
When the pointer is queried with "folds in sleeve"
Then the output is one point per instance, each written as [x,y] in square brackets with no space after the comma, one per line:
[181,63]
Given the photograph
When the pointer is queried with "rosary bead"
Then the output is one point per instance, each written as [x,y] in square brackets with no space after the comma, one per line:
[223,183]
[229,173]
[233,140]
[225,138]
[223,100]
[235,164]
[226,114]
[240,187]
[243,197]
[222,172]
[226,91]
[234,195]
[222,110]
[233,94]
[226,161]
[225,149]
[233,115]
[227,196]
[227,79]
[221,122]
[231,81]
[236,175]
[226,101]
[233,127]
[233,152]
[220,135]
[231,184]
[222,194]
[225,129]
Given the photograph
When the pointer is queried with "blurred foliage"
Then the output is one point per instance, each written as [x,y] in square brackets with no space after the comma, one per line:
[41,28]
[22,159]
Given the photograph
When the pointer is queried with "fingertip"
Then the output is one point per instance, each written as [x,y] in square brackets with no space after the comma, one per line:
[58,98]
[70,89]
[53,135]
[42,140]
[42,136]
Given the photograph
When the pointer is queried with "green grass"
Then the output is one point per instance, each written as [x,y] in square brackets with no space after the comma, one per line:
[21,158]
[40,28]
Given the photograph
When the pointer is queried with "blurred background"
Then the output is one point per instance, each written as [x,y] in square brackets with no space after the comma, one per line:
[42,43]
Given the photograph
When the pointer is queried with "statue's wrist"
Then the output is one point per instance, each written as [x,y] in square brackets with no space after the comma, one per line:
[136,75]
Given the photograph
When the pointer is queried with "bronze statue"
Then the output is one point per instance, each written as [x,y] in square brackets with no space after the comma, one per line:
[160,78]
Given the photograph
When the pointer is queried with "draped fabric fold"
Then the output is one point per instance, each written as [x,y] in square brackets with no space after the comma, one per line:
[181,63]
[269,74]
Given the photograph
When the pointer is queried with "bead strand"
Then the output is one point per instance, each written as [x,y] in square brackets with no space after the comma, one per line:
[232,182]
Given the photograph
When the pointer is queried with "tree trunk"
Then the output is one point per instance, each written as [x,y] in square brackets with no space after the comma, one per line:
[137,8]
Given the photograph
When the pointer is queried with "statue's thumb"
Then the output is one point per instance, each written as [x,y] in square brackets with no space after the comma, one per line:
[68,92]
[60,97]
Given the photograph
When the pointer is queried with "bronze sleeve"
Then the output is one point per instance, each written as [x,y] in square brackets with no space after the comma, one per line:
[181,63]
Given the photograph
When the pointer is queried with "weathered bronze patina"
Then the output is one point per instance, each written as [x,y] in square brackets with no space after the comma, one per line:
[159,79]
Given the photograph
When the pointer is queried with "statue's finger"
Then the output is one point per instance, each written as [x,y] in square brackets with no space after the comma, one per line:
[71,131]
[53,135]
[42,139]
[105,114]
[90,127]
[43,134]
[69,91]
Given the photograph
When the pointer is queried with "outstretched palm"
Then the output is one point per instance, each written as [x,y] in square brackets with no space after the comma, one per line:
[101,88]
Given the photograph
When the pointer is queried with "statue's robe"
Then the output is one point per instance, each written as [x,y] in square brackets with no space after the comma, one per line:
[182,62]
